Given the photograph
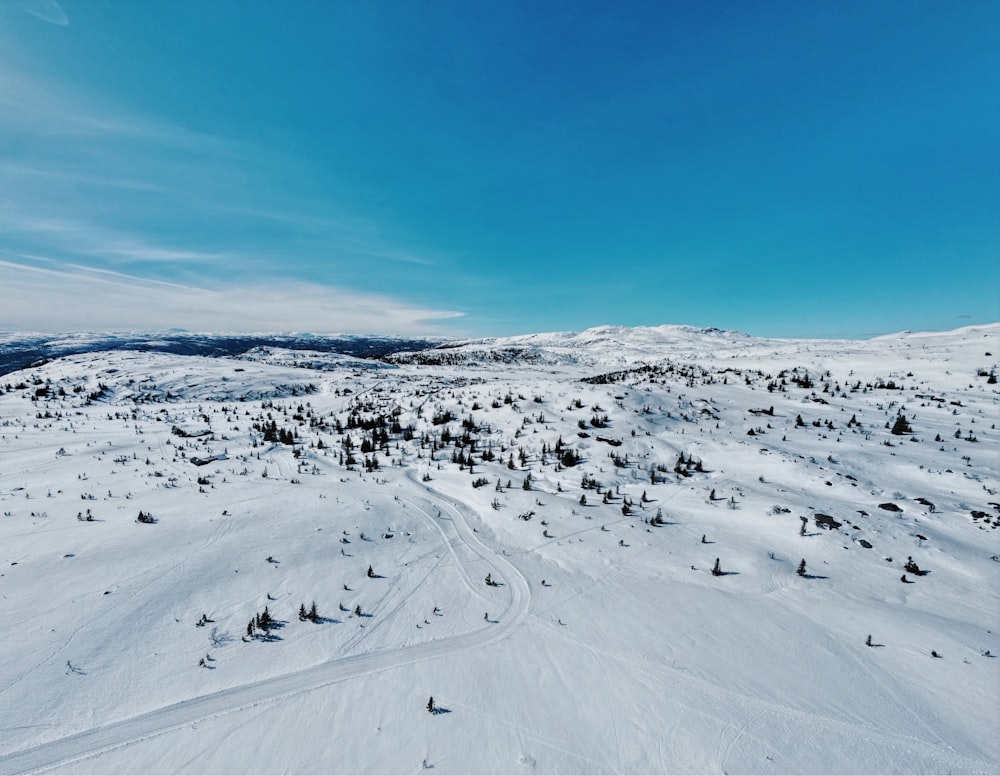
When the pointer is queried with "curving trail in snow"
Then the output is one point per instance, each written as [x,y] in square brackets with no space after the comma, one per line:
[451,515]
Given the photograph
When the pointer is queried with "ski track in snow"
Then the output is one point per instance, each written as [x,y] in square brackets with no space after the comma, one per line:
[104,738]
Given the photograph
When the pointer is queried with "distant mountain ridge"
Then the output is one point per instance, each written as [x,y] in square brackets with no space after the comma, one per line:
[602,347]
[18,351]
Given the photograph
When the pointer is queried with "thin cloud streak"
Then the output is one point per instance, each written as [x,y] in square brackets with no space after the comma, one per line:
[209,182]
[54,111]
[57,298]
[338,234]
[24,172]
[47,10]
[82,239]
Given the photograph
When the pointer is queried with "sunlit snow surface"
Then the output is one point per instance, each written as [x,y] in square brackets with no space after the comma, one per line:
[631,657]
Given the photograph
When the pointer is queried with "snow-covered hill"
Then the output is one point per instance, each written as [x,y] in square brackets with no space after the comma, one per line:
[596,478]
[618,346]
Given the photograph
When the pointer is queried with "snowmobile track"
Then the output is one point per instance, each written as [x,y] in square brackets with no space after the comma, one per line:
[114,735]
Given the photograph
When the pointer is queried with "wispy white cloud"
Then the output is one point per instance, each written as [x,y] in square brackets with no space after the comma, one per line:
[355,236]
[137,250]
[77,151]
[84,239]
[47,10]
[21,173]
[35,103]
[388,254]
[93,183]
[51,297]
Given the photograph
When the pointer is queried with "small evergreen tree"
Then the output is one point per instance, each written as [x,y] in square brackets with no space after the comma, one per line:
[430,705]
[716,569]
[801,571]
[901,426]
[912,567]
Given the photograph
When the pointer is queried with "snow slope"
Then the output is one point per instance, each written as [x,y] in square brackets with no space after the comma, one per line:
[609,470]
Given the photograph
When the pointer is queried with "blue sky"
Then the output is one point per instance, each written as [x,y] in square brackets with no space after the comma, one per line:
[478,168]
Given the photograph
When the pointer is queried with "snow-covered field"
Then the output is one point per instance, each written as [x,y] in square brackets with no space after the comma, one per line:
[595,478]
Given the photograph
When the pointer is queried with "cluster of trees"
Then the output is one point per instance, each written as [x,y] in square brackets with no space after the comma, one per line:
[685,464]
[901,426]
[261,623]
[274,434]
[564,455]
